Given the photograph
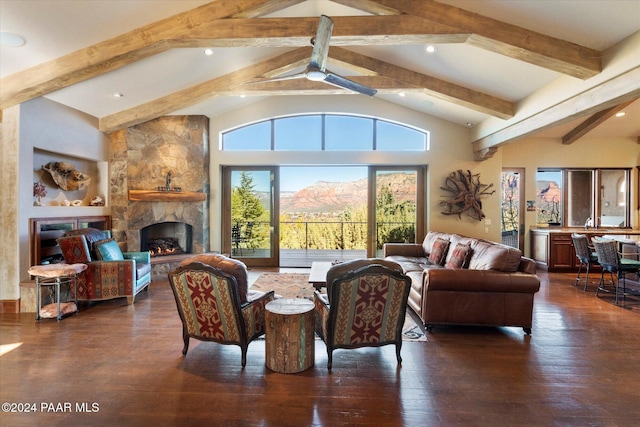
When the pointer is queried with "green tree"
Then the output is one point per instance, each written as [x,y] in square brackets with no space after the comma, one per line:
[245,205]
[395,220]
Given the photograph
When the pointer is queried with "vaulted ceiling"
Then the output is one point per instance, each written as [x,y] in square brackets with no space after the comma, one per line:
[508,69]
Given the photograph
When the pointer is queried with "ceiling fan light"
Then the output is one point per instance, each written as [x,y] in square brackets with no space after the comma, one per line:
[11,39]
[316,75]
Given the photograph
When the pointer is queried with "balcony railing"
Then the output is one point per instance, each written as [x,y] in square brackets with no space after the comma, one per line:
[331,235]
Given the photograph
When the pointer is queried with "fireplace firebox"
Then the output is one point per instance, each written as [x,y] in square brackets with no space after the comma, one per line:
[166,238]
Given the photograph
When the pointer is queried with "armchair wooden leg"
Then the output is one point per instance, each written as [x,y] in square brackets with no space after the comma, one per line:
[186,344]
[244,355]
[398,347]
[130,299]
[330,358]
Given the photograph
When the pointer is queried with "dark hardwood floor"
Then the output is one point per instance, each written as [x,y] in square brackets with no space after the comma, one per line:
[124,363]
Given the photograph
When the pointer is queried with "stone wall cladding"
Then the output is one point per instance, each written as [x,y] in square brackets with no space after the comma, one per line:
[141,157]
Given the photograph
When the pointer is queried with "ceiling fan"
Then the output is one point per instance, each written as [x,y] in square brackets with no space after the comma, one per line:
[316,70]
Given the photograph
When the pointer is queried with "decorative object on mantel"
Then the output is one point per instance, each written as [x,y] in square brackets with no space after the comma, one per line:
[39,191]
[97,201]
[467,191]
[66,176]
[168,187]
[74,203]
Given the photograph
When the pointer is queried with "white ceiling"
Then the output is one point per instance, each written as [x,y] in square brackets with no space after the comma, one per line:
[53,28]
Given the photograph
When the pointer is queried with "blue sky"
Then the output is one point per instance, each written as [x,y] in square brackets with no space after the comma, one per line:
[294,178]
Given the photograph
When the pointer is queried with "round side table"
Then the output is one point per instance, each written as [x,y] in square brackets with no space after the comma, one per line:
[289,335]
[56,275]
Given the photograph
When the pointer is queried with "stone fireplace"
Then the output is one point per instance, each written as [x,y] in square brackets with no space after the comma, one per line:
[141,158]
[167,238]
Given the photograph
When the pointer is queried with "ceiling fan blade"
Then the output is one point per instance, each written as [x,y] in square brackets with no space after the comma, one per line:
[342,82]
[281,78]
[321,44]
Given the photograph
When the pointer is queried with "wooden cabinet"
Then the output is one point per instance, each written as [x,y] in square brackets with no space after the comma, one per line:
[562,255]
[553,249]
[45,231]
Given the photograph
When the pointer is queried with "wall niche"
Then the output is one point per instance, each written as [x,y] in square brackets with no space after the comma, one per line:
[47,193]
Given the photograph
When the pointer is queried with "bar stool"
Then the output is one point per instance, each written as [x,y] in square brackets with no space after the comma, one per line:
[56,275]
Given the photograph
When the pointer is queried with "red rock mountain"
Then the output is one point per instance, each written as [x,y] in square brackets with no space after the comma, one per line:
[324,196]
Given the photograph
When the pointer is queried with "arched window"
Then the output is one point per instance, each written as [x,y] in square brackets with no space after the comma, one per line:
[325,132]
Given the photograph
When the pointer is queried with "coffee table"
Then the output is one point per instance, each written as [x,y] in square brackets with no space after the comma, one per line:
[318,274]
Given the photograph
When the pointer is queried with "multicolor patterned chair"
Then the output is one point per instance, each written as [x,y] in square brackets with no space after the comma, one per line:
[368,308]
[210,306]
[110,272]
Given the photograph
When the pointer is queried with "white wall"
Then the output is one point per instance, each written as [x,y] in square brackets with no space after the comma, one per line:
[50,126]
[450,150]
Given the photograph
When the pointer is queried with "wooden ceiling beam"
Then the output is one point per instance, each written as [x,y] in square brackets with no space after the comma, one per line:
[210,26]
[195,94]
[369,6]
[507,39]
[114,53]
[392,79]
[620,89]
[430,85]
[266,8]
[593,122]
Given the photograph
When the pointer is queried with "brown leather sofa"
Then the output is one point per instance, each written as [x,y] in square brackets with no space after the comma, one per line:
[458,280]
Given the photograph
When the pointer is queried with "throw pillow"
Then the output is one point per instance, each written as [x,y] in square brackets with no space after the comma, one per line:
[459,256]
[439,251]
[108,250]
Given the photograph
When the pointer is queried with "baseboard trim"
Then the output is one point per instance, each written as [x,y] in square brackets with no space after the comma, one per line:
[10,306]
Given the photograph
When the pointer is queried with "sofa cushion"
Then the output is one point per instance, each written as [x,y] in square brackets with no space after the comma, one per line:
[459,256]
[430,239]
[108,250]
[439,251]
[494,256]
[91,235]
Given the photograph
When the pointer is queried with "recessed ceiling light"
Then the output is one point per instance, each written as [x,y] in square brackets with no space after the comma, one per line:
[208,51]
[402,94]
[118,95]
[430,48]
[11,39]
[469,124]
[620,113]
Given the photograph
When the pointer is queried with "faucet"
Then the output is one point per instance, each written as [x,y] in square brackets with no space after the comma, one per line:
[588,223]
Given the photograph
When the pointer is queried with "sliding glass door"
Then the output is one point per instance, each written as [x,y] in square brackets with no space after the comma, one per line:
[291,216]
[250,228]
[396,207]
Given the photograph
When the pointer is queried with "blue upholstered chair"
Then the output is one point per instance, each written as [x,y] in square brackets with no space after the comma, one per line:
[110,272]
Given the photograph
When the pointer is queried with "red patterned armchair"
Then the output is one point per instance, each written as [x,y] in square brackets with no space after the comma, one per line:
[367,307]
[214,304]
[110,272]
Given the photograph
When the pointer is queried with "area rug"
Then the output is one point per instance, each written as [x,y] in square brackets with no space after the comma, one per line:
[296,285]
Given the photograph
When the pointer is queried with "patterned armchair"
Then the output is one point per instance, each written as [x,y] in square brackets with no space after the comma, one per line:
[214,306]
[110,272]
[367,309]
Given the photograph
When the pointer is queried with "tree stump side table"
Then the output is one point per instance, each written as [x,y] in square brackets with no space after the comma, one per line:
[289,335]
[56,275]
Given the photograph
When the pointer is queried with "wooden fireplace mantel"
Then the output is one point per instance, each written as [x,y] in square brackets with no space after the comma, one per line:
[166,196]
